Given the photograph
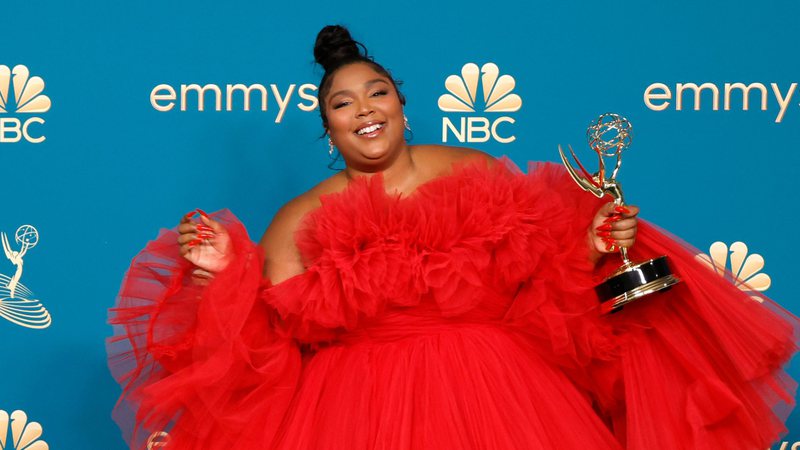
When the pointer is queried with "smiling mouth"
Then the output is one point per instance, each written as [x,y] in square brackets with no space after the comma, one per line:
[370,130]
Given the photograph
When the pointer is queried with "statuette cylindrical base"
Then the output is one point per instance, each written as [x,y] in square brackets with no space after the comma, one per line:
[634,282]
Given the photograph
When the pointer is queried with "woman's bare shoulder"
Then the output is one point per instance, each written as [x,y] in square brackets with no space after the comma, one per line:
[283,259]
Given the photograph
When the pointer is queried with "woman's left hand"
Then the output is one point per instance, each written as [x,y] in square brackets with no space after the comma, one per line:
[613,227]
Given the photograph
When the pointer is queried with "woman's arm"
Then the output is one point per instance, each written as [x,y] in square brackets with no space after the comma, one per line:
[282,259]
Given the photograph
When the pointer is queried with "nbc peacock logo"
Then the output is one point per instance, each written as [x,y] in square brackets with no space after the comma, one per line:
[479,89]
[24,435]
[17,303]
[735,264]
[21,93]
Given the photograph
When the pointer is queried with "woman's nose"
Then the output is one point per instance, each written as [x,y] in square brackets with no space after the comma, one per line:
[364,109]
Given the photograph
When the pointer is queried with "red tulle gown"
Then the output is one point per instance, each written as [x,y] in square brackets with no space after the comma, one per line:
[460,317]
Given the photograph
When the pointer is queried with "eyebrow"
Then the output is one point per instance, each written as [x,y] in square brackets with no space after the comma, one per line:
[367,85]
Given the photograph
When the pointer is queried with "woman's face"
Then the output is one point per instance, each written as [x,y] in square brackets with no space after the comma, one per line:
[365,116]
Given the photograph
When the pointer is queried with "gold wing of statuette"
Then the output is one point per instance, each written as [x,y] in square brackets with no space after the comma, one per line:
[585,180]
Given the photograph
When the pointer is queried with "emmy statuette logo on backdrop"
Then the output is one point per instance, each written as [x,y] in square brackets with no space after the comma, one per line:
[21,93]
[24,435]
[463,97]
[744,271]
[17,304]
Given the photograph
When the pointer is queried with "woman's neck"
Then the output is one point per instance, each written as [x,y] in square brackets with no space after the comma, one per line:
[399,174]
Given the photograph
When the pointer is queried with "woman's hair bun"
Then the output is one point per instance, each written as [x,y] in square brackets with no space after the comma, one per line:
[335,46]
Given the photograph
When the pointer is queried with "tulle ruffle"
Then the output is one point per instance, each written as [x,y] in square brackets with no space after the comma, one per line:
[463,241]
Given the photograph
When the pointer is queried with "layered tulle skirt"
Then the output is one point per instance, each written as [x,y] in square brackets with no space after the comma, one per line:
[422,383]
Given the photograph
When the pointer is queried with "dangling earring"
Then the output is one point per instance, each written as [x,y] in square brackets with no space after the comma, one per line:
[330,147]
[405,123]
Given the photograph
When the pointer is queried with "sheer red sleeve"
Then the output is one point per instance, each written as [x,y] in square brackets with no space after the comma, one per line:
[199,362]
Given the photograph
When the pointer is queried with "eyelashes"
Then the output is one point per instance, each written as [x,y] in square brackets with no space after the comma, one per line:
[379,93]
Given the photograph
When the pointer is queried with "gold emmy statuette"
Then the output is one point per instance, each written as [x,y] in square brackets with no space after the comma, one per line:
[608,136]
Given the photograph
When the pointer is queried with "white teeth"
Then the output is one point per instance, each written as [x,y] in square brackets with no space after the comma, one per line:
[370,129]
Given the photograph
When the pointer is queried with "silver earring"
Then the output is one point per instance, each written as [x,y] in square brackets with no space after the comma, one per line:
[405,123]
[330,147]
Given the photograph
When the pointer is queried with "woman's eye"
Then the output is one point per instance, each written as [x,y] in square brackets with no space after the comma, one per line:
[340,104]
[379,93]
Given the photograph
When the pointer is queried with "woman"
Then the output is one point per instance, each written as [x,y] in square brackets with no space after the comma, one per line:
[432,297]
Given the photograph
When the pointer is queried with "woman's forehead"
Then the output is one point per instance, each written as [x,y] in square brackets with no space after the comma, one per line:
[354,76]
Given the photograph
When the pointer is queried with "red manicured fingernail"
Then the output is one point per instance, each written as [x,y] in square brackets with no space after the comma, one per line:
[205,235]
[190,214]
[606,227]
[622,209]
[612,218]
[608,247]
[604,233]
[203,227]
[193,243]
[202,213]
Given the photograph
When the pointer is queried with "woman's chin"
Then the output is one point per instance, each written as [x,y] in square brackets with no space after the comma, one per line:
[374,154]
[378,152]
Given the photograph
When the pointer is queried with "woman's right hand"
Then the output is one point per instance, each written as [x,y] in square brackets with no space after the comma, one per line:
[206,244]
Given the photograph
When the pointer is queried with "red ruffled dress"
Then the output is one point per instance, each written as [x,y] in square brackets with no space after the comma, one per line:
[461,317]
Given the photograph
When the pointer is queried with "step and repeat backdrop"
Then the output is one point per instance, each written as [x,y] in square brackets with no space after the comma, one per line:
[117,118]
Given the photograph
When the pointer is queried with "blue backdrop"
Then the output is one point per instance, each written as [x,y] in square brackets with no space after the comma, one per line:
[113,168]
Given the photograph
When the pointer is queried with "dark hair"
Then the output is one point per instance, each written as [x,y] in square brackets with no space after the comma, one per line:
[334,49]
